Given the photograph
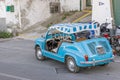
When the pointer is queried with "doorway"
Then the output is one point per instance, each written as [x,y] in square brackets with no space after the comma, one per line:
[88,3]
[116,11]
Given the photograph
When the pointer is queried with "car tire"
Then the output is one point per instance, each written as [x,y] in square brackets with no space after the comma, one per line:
[38,54]
[71,65]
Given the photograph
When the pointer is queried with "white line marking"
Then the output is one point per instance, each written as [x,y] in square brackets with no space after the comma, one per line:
[117,61]
[12,76]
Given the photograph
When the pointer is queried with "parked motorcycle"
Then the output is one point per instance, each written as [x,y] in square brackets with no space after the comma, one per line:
[113,35]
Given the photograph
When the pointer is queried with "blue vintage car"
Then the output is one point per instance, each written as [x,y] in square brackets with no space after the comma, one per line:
[74,44]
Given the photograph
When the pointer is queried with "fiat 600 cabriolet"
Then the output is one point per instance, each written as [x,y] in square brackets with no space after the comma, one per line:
[74,44]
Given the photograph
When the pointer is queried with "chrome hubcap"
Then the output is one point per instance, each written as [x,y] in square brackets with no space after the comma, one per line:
[71,65]
[39,54]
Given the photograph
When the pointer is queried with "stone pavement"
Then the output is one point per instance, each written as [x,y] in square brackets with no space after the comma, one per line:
[38,30]
[117,59]
[33,34]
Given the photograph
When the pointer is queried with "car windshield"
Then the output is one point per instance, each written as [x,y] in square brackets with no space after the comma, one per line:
[79,36]
[82,34]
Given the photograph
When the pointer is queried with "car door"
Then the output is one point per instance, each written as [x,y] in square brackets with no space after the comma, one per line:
[49,52]
[54,55]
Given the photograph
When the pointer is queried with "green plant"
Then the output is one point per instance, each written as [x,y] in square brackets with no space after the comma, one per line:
[67,14]
[49,25]
[5,34]
[64,17]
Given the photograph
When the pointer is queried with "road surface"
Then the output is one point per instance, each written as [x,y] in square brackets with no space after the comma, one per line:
[17,62]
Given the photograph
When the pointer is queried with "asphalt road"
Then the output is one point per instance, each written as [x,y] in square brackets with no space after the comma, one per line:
[17,62]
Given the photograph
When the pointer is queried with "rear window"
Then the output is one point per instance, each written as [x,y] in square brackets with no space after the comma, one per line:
[105,45]
[92,47]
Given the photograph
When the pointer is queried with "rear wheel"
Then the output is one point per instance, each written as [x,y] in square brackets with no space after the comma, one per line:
[38,54]
[71,65]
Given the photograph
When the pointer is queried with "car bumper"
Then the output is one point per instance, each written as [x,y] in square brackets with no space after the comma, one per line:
[94,62]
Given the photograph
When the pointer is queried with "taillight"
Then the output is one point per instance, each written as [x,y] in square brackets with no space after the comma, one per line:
[86,57]
[114,52]
[106,35]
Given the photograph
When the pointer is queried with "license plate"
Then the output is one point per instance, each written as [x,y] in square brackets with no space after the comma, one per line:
[100,50]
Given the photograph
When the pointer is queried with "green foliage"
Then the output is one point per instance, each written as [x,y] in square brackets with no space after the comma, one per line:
[5,35]
[49,25]
[64,17]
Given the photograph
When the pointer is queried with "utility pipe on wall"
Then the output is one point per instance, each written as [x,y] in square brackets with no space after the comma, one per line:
[20,24]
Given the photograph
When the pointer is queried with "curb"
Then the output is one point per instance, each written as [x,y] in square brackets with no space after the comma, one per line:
[7,39]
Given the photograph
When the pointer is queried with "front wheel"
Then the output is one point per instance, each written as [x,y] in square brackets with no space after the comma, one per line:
[71,65]
[38,54]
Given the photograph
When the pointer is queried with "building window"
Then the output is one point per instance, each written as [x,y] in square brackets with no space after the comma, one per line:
[88,2]
[54,7]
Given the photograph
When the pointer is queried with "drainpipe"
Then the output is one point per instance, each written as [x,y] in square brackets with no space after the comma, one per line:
[80,5]
[19,13]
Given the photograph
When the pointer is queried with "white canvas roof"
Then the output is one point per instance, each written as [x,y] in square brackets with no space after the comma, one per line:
[70,28]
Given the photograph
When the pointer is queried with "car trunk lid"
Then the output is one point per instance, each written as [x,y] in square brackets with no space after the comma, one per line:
[97,49]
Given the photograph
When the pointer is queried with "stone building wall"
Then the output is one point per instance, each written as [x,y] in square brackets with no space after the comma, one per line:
[29,12]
